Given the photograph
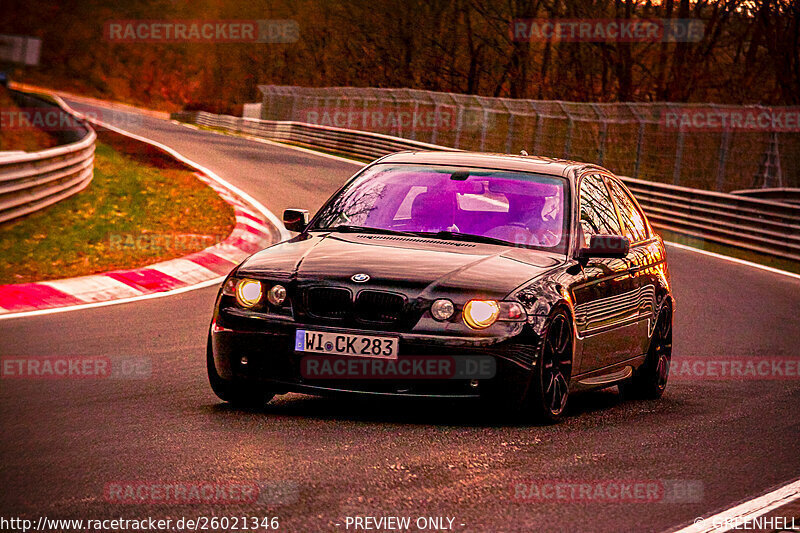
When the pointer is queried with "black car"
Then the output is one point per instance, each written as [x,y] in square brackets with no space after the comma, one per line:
[453,274]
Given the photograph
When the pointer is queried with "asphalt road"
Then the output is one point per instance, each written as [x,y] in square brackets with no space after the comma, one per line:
[63,441]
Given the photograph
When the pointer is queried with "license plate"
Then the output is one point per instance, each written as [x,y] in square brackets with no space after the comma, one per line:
[345,344]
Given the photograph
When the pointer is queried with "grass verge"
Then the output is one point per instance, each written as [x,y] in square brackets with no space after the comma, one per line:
[141,207]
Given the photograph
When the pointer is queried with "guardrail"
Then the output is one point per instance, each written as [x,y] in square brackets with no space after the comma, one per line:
[30,181]
[762,226]
[786,195]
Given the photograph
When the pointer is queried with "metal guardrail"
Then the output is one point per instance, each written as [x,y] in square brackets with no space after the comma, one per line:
[762,226]
[786,195]
[30,181]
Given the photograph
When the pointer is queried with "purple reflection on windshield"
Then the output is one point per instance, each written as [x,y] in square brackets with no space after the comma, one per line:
[517,207]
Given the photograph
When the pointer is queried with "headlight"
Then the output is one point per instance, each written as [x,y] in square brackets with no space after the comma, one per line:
[442,309]
[480,314]
[276,295]
[248,292]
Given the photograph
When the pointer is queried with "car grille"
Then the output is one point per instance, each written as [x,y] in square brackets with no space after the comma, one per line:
[336,303]
[379,306]
[327,302]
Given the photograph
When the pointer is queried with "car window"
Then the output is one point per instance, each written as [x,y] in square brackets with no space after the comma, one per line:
[633,221]
[518,208]
[597,212]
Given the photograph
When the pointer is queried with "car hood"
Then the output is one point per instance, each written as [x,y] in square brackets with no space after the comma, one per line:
[414,266]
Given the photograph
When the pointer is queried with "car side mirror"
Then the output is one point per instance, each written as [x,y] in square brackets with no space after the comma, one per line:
[612,246]
[295,219]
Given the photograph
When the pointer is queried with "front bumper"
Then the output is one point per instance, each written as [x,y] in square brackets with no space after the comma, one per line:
[268,347]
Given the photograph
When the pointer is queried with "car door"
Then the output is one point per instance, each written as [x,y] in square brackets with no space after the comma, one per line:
[642,256]
[605,310]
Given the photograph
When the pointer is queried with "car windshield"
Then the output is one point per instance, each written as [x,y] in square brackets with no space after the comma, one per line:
[500,206]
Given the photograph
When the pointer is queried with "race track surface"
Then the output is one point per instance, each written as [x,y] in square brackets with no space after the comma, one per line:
[65,440]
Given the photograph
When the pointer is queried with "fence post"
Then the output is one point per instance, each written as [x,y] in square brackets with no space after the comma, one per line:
[676,170]
[485,124]
[603,131]
[266,102]
[570,125]
[510,133]
[459,121]
[537,142]
[637,162]
[413,117]
[722,157]
[292,115]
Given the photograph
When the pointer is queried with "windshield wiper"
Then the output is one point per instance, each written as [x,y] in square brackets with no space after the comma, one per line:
[457,236]
[345,228]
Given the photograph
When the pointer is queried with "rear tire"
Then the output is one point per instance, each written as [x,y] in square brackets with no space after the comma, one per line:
[549,391]
[650,381]
[235,392]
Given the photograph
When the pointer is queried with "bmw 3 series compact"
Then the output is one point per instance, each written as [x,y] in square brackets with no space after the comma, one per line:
[534,277]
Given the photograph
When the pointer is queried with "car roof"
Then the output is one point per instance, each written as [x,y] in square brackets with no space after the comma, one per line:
[524,163]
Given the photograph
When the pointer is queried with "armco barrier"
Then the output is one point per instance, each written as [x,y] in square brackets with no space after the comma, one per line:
[30,181]
[762,226]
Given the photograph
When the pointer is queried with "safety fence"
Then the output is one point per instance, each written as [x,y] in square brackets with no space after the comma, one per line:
[704,146]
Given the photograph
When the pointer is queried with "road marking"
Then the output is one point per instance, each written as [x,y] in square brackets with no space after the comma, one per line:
[93,288]
[729,519]
[274,143]
[185,270]
[733,260]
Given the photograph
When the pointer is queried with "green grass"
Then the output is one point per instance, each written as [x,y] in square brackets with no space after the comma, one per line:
[137,210]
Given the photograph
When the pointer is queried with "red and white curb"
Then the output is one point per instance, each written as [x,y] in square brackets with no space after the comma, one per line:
[255,229]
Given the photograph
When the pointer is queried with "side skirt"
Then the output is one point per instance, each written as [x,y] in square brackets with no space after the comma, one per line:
[606,376]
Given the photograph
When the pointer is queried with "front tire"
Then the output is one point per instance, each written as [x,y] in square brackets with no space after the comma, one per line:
[550,386]
[650,380]
[234,391]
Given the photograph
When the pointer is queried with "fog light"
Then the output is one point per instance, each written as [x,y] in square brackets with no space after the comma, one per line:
[277,295]
[248,292]
[442,309]
[480,314]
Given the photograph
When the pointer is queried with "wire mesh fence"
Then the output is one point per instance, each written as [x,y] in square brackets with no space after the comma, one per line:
[705,146]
